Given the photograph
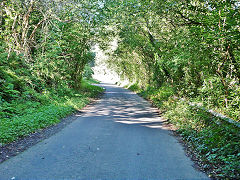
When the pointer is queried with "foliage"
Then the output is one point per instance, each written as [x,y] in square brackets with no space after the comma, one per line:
[41,51]
[48,108]
[44,48]
[188,49]
[134,87]
[88,72]
[215,141]
[16,127]
[185,48]
[191,45]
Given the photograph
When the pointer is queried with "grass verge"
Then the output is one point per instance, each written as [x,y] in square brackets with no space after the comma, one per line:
[215,143]
[43,110]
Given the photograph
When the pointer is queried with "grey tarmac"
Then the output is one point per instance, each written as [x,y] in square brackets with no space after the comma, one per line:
[119,137]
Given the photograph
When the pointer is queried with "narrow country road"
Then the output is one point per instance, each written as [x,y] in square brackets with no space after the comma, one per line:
[120,137]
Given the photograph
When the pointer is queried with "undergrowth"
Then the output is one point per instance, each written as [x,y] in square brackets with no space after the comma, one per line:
[214,141]
[36,111]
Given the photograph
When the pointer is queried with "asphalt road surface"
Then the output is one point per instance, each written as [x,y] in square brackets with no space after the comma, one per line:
[120,137]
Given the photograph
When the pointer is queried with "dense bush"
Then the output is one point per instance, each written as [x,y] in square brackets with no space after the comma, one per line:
[214,141]
[88,72]
[26,116]
[41,50]
[44,48]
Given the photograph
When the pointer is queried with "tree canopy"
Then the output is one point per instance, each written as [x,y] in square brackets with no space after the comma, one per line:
[170,49]
[193,46]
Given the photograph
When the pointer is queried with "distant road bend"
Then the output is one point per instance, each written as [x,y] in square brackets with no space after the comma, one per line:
[120,137]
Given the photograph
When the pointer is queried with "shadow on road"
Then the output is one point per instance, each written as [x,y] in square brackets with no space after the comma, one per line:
[124,106]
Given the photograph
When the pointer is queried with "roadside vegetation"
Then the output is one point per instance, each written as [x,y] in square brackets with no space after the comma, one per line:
[45,64]
[28,115]
[168,50]
[214,142]
[178,53]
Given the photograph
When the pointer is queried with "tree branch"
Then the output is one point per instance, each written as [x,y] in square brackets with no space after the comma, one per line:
[189,21]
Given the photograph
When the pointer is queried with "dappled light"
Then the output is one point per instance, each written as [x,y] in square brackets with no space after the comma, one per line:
[182,56]
[118,137]
[126,108]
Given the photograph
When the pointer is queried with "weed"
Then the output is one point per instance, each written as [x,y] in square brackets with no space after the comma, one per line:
[27,116]
[215,141]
